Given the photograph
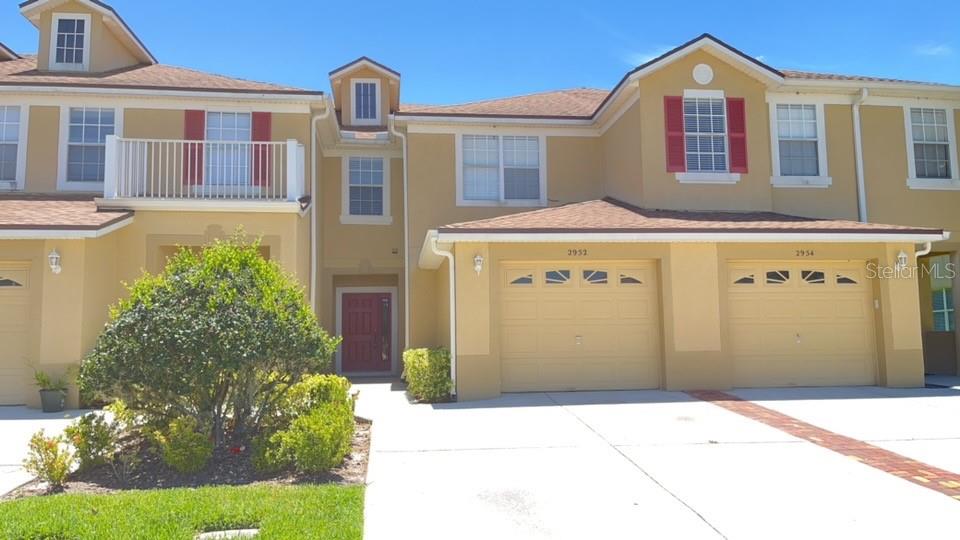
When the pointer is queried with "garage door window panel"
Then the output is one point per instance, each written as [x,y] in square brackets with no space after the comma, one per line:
[520,278]
[595,277]
[813,277]
[778,277]
[844,278]
[630,277]
[556,277]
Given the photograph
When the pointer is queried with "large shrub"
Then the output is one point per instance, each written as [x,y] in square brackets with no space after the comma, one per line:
[427,372]
[218,335]
[314,442]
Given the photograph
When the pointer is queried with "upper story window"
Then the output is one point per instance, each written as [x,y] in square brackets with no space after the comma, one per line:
[705,127]
[227,163]
[799,145]
[85,156]
[366,190]
[931,148]
[366,102]
[70,42]
[12,146]
[500,170]
[706,136]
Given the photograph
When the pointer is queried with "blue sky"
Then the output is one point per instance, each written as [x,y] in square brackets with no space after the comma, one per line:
[454,51]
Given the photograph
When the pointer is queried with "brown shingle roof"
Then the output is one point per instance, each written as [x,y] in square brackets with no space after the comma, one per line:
[613,216]
[571,103]
[156,76]
[60,212]
[794,74]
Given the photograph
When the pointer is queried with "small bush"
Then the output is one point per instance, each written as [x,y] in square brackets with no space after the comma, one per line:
[183,447]
[315,442]
[94,438]
[49,459]
[315,390]
[427,372]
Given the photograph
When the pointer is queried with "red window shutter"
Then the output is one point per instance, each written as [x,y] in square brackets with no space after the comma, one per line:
[261,132]
[673,120]
[737,133]
[194,129]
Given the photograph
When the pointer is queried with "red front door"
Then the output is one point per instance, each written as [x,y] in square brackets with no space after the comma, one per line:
[366,328]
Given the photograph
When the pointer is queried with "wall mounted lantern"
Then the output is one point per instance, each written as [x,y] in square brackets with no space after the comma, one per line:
[478,263]
[54,259]
[901,261]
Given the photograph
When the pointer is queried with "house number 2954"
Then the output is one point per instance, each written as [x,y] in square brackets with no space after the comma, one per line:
[805,253]
[576,253]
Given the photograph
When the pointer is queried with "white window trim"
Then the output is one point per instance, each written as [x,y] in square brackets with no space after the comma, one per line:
[21,172]
[353,104]
[823,180]
[946,311]
[62,184]
[712,177]
[346,218]
[522,203]
[946,184]
[54,23]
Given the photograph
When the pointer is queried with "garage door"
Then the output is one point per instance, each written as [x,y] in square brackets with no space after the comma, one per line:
[14,313]
[588,326]
[801,324]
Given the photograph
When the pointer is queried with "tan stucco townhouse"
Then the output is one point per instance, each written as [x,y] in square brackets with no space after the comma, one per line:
[709,222]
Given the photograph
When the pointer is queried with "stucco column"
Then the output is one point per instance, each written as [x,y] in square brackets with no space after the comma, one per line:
[901,361]
[693,355]
[478,362]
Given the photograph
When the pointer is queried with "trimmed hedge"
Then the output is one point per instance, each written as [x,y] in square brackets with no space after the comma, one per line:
[427,372]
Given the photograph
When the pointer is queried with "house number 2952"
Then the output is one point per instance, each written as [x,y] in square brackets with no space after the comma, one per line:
[576,253]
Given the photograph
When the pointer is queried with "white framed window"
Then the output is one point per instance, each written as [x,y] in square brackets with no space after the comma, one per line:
[501,170]
[798,141]
[706,145]
[931,148]
[83,143]
[225,162]
[70,42]
[13,145]
[944,317]
[366,190]
[365,95]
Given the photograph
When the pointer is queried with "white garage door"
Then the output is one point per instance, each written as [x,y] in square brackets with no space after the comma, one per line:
[585,326]
[801,324]
[14,314]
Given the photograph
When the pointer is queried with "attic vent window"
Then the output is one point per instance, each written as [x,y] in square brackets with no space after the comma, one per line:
[70,42]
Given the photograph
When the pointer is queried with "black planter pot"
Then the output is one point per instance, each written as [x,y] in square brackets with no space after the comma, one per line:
[52,400]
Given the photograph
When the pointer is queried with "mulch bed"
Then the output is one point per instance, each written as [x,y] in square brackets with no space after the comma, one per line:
[224,468]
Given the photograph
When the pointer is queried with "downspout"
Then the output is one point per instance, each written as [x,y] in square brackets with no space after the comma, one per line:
[406,237]
[927,248]
[453,309]
[315,200]
[858,152]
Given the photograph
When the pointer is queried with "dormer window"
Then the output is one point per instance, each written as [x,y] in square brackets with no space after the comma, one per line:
[70,42]
[366,102]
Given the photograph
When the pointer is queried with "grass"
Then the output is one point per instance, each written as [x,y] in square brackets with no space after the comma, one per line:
[328,512]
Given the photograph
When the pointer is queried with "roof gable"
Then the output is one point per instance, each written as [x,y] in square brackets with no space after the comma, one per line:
[737,58]
[33,9]
[364,61]
[6,53]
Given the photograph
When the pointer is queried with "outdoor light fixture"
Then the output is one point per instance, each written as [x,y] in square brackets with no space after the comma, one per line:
[54,260]
[901,261]
[478,263]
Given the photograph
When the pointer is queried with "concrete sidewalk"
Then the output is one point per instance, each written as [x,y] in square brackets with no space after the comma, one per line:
[626,465]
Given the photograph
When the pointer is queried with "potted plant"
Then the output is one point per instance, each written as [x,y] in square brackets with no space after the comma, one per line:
[53,392]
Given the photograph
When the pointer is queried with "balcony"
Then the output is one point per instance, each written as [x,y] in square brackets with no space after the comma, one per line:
[212,175]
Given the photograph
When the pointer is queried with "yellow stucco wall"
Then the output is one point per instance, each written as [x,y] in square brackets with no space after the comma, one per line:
[43,149]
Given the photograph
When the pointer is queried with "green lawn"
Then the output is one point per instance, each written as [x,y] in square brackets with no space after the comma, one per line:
[279,512]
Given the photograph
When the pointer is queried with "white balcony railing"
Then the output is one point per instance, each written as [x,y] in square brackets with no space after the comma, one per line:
[203,170]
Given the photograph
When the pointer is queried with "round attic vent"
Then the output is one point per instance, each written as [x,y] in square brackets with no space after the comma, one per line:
[702,73]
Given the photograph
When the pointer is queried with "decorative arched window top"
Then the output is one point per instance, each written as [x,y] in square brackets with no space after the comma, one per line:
[814,277]
[748,279]
[526,279]
[778,277]
[844,279]
[631,277]
[595,277]
[7,282]
[556,277]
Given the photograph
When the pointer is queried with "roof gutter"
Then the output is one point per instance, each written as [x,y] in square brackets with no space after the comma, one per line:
[435,248]
[858,154]
[62,234]
[453,236]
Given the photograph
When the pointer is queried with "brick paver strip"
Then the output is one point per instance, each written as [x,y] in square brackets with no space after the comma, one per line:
[911,470]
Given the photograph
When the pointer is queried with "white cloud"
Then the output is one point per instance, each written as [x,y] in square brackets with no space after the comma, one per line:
[637,58]
[933,49]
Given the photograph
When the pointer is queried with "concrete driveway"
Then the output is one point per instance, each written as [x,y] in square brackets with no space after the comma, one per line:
[655,464]
[17,425]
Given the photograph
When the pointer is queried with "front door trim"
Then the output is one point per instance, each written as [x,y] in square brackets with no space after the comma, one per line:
[392,291]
